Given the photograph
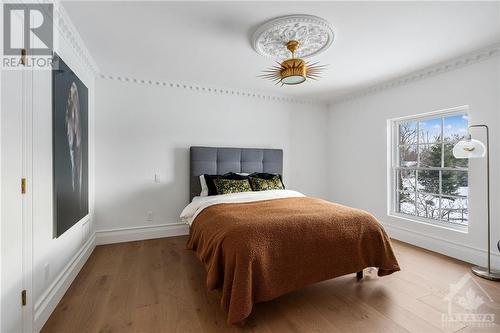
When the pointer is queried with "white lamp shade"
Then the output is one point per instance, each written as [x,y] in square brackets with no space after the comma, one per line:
[469,149]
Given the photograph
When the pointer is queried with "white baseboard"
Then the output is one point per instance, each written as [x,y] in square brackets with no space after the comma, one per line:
[53,295]
[437,244]
[140,233]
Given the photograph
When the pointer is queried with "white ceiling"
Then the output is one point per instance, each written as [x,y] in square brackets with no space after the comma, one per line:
[208,43]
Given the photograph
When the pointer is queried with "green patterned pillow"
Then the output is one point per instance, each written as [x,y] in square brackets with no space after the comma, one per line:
[260,184]
[225,186]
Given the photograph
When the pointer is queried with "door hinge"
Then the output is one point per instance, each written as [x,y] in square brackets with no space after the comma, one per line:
[23,297]
[23,185]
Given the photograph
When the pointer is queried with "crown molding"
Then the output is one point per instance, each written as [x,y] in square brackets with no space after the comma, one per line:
[68,31]
[63,24]
[467,59]
[441,68]
[214,90]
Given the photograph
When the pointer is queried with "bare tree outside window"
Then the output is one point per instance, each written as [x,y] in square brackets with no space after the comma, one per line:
[430,182]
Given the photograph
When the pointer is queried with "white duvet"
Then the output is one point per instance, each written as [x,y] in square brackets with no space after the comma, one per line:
[200,203]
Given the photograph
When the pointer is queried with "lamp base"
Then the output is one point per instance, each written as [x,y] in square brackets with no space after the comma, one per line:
[492,275]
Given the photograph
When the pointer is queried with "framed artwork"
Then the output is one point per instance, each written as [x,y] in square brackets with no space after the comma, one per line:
[70,147]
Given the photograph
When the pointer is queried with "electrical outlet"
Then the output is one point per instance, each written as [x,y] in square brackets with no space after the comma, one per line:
[149,216]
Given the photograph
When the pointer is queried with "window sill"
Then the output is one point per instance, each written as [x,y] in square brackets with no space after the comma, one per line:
[457,228]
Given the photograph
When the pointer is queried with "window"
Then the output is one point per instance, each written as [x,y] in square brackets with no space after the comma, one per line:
[428,182]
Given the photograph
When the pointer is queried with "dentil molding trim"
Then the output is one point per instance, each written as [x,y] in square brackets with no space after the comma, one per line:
[63,24]
[68,31]
[444,67]
[213,90]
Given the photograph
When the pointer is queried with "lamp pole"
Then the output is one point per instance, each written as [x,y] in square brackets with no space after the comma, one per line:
[479,271]
[487,185]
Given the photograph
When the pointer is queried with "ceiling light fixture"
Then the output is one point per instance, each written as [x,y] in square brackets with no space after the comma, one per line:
[302,36]
[294,70]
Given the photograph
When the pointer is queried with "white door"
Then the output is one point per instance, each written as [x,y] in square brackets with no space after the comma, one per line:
[15,201]
[15,207]
[11,201]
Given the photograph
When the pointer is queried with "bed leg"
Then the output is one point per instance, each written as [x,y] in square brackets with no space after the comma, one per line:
[359,275]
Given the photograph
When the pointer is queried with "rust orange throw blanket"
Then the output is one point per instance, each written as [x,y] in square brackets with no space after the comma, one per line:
[257,251]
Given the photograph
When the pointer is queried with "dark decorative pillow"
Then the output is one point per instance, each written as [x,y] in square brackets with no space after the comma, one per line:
[210,180]
[263,175]
[267,176]
[261,184]
[225,186]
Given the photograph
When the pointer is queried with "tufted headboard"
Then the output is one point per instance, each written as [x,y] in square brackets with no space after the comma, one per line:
[218,161]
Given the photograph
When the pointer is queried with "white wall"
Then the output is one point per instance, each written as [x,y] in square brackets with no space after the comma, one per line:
[55,262]
[143,129]
[58,253]
[358,150]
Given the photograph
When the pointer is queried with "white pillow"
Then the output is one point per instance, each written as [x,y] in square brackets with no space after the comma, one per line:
[204,187]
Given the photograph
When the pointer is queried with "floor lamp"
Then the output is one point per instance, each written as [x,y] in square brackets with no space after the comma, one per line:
[471,148]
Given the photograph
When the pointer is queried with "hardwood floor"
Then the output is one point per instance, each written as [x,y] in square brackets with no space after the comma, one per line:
[159,286]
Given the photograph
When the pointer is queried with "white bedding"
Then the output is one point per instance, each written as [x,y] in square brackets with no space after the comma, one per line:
[200,203]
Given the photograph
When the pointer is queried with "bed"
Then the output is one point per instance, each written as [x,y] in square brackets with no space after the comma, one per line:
[257,246]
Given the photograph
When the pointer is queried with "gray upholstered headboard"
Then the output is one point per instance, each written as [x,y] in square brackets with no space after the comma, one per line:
[218,161]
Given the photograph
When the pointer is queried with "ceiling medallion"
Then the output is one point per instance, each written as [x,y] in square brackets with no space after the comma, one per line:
[302,36]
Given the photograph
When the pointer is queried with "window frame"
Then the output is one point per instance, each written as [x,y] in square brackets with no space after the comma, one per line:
[393,167]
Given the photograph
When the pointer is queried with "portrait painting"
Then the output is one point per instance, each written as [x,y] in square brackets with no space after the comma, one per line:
[70,147]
